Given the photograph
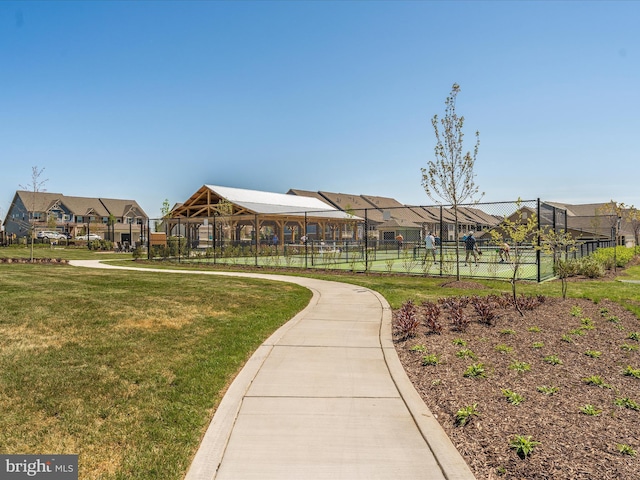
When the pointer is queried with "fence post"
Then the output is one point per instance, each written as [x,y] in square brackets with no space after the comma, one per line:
[366,240]
[306,241]
[257,236]
[538,256]
[441,241]
[148,238]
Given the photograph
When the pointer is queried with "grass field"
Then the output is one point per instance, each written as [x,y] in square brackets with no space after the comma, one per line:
[124,368]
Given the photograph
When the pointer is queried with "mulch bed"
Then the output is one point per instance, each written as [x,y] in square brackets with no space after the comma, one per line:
[573,445]
[59,261]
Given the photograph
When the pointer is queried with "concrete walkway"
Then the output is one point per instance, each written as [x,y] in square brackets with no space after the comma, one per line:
[325,397]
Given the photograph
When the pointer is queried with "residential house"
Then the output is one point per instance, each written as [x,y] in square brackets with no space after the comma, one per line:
[598,221]
[387,217]
[113,219]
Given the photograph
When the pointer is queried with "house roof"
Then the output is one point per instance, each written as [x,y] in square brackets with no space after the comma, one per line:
[399,223]
[123,208]
[592,218]
[44,201]
[346,202]
[479,216]
[382,209]
[394,209]
[261,202]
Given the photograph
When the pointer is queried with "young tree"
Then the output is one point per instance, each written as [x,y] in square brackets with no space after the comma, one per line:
[557,244]
[612,212]
[166,208]
[632,217]
[519,232]
[34,187]
[450,176]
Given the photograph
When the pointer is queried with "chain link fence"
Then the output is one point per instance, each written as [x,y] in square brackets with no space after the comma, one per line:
[382,238]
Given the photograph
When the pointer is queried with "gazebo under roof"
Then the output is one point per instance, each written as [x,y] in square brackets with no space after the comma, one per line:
[281,213]
[212,200]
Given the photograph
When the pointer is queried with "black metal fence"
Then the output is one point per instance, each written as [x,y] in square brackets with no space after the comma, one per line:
[421,240]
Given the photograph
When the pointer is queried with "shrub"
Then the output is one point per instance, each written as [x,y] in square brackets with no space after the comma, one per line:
[576,311]
[566,268]
[631,372]
[466,353]
[455,308]
[523,445]
[458,318]
[485,308]
[548,390]
[553,360]
[528,302]
[465,413]
[590,410]
[476,370]
[502,348]
[407,322]
[590,267]
[520,367]
[626,450]
[587,323]
[512,397]
[626,402]
[597,381]
[431,313]
[605,256]
[430,359]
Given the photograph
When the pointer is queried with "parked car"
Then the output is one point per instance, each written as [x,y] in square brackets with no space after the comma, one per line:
[89,238]
[51,235]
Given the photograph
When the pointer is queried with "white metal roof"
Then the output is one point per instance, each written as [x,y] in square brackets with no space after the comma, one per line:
[276,203]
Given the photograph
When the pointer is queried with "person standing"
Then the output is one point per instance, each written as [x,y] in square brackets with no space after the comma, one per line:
[400,240]
[430,245]
[470,247]
[504,252]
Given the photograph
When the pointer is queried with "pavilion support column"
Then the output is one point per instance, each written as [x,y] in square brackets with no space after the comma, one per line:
[301,231]
[280,224]
[322,225]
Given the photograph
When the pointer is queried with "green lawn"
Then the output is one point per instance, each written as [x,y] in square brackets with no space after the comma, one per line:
[124,368]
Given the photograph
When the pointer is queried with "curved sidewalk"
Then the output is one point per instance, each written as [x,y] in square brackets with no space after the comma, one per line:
[325,397]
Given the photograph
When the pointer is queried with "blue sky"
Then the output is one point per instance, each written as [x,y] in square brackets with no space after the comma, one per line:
[150,100]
